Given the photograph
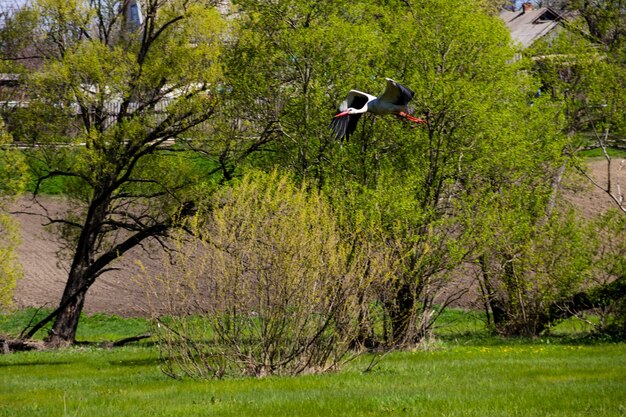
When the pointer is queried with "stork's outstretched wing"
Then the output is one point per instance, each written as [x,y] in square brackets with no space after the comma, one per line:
[343,126]
[396,93]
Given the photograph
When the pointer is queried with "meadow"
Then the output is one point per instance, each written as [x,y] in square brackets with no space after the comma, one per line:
[463,371]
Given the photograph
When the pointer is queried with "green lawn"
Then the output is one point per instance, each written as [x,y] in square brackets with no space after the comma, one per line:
[598,153]
[460,374]
[504,380]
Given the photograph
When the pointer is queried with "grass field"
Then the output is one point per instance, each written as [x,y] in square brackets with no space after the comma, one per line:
[517,380]
[465,372]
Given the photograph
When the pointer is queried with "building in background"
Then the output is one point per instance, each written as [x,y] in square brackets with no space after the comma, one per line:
[133,10]
[531,23]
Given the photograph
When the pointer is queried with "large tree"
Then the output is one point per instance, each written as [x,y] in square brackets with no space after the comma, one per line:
[112,92]
[457,59]
[12,167]
[418,186]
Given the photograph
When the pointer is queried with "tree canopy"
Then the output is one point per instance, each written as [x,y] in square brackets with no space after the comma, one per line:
[107,99]
[143,120]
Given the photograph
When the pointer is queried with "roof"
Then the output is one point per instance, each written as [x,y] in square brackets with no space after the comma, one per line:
[528,26]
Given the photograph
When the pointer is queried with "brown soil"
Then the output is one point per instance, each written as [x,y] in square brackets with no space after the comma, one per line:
[118,292]
[115,292]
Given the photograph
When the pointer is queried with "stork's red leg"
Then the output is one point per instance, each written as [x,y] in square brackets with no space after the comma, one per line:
[412,118]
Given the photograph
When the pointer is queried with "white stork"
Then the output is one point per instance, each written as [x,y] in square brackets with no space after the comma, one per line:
[394,100]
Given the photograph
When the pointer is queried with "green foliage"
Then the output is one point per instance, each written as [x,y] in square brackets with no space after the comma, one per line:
[10,269]
[588,83]
[582,71]
[84,89]
[274,288]
[490,146]
[12,170]
[609,273]
[476,185]
[105,103]
[605,22]
[485,149]
[289,68]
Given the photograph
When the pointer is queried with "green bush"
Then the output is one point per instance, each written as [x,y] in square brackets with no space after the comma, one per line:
[271,286]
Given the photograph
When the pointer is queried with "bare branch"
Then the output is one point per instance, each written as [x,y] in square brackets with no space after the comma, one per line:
[53,174]
[618,197]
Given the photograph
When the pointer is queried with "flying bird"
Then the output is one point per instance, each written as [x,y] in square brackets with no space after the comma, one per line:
[394,100]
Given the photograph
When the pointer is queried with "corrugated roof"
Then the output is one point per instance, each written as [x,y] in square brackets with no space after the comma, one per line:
[528,26]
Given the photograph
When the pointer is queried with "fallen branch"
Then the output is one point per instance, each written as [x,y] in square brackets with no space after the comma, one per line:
[126,340]
[20,345]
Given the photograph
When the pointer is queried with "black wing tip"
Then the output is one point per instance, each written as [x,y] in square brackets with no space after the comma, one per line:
[406,94]
[338,128]
[342,127]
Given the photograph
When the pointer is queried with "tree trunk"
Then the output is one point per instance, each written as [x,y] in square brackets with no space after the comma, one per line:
[494,307]
[83,273]
[400,313]
[63,332]
[88,265]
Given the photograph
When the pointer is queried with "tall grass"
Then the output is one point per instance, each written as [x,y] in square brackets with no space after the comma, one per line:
[506,380]
[464,372]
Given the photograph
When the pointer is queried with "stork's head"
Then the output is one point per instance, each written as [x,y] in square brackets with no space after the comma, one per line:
[347,112]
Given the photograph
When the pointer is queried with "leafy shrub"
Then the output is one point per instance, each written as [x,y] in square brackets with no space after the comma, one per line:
[269,288]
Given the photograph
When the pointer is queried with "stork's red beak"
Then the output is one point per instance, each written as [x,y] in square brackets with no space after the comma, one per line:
[343,113]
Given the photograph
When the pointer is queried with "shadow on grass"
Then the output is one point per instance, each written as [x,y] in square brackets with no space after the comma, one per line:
[34,364]
[486,338]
